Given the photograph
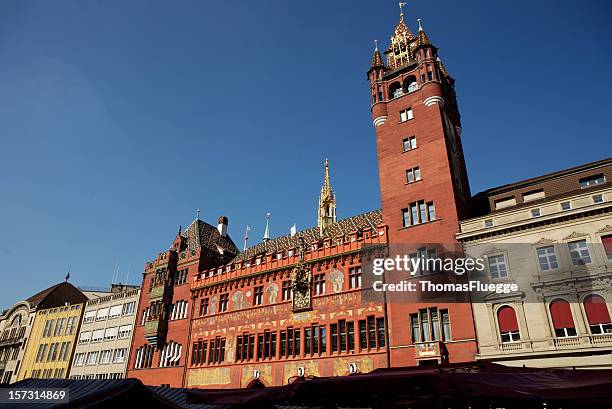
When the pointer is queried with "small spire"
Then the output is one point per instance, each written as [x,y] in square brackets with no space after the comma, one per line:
[68,275]
[180,230]
[422,38]
[266,236]
[376,58]
[198,214]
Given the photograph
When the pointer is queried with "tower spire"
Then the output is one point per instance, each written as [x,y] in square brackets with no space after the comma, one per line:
[327,202]
[399,53]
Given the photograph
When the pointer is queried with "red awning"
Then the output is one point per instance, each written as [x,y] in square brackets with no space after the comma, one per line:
[507,319]
[607,242]
[561,314]
[596,310]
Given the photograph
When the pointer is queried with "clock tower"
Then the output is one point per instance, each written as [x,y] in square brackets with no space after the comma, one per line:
[424,186]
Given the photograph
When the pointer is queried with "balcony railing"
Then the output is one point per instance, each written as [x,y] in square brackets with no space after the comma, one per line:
[512,346]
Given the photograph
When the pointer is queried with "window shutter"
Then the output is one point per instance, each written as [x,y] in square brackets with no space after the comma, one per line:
[596,310]
[506,317]
[561,314]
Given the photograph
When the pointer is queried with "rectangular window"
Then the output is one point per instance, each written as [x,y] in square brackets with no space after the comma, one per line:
[406,115]
[413,175]
[102,314]
[90,316]
[547,258]
[286,290]
[535,213]
[125,331]
[115,311]
[534,195]
[409,143]
[425,325]
[418,212]
[488,223]
[223,302]
[119,355]
[355,277]
[258,295]
[203,306]
[598,199]
[497,266]
[505,202]
[579,252]
[334,337]
[566,206]
[319,284]
[405,218]
[129,308]
[594,180]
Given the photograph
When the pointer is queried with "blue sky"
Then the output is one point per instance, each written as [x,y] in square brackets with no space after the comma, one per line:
[119,119]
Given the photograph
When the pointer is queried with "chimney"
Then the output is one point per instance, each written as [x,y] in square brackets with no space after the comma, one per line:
[222,226]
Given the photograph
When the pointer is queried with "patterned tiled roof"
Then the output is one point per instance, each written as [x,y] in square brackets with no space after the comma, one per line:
[340,228]
[203,234]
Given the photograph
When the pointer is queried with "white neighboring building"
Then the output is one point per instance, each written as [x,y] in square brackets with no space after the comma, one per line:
[104,340]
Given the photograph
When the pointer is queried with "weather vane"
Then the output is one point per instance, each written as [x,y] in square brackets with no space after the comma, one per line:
[400,6]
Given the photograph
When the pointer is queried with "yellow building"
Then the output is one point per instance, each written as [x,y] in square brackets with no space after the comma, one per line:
[51,344]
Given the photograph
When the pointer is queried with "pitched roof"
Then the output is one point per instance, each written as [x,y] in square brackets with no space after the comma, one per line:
[203,234]
[343,227]
[57,295]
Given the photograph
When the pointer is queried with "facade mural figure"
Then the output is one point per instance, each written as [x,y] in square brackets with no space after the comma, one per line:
[336,277]
[272,292]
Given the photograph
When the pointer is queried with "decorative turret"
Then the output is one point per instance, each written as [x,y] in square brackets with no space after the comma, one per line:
[376,58]
[327,203]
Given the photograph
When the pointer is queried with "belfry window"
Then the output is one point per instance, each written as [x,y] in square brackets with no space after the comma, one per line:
[395,90]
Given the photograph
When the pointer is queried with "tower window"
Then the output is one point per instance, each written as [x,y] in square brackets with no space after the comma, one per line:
[418,212]
[409,143]
[598,199]
[406,115]
[566,206]
[413,175]
[535,212]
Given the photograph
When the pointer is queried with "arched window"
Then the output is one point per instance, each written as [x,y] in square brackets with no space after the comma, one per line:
[597,314]
[410,84]
[395,90]
[563,322]
[508,325]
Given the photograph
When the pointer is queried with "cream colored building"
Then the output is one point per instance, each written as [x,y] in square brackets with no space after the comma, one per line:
[16,325]
[551,235]
[103,343]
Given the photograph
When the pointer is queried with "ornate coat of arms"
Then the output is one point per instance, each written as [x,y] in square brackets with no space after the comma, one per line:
[301,280]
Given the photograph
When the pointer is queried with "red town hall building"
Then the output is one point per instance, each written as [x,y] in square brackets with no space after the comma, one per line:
[213,316]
